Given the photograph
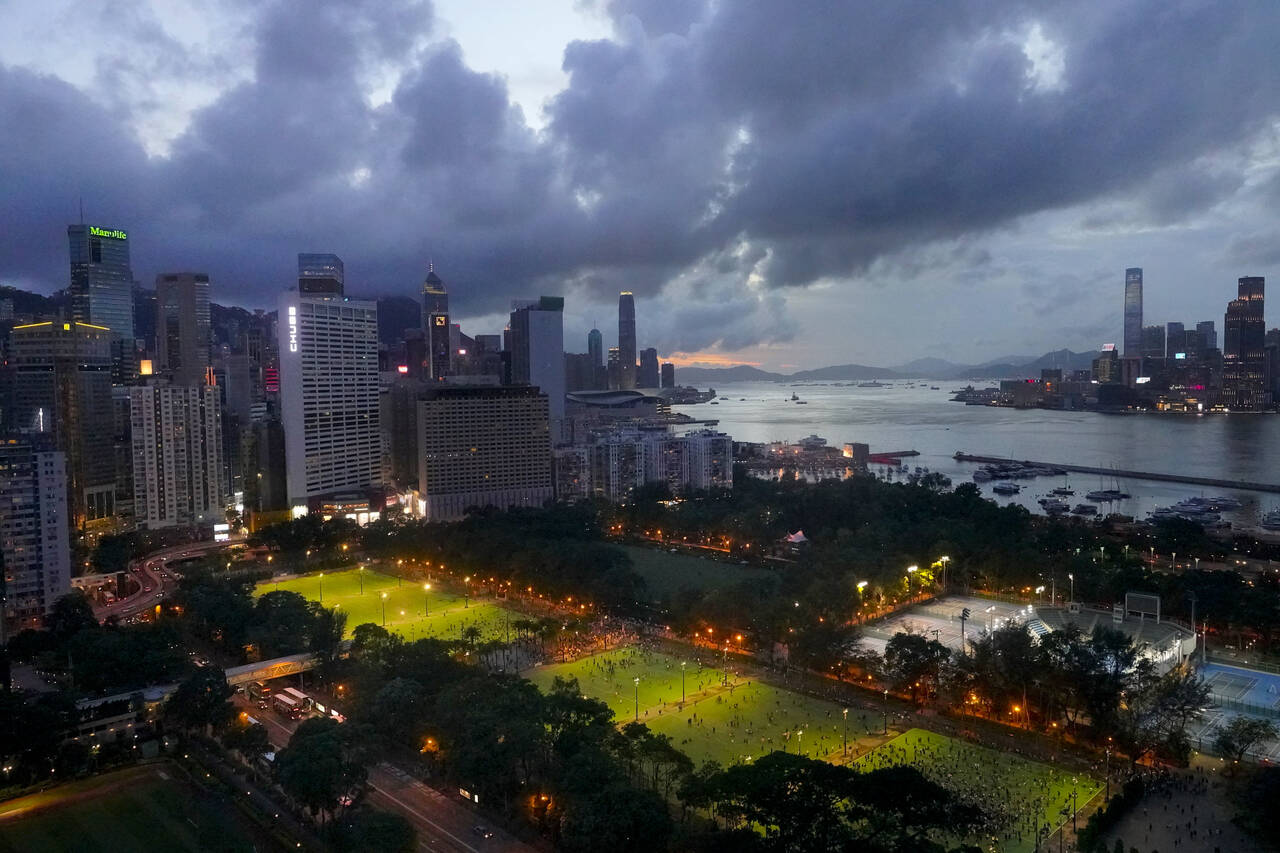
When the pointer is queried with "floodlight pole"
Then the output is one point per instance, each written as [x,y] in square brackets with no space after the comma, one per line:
[637,698]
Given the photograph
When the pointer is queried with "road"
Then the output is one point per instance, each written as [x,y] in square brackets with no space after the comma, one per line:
[147,572]
[444,825]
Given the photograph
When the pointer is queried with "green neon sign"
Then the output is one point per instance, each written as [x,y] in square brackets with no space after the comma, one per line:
[114,234]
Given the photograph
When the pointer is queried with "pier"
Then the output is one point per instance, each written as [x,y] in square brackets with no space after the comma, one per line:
[1131,475]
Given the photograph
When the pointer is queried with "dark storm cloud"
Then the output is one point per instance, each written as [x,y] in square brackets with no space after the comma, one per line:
[700,149]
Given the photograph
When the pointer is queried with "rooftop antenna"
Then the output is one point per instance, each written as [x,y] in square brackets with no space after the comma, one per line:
[82,209]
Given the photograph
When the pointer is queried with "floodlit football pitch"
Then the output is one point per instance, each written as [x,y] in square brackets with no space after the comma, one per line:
[1016,795]
[403,607]
[729,720]
[740,719]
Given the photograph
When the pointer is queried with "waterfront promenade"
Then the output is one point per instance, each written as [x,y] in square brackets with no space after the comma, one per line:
[1133,475]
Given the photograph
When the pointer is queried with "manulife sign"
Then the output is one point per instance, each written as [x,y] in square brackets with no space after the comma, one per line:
[113,233]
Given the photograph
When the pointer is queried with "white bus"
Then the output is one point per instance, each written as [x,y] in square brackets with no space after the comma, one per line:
[303,700]
[286,706]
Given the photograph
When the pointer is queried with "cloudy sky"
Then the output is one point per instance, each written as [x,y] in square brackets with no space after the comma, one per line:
[785,183]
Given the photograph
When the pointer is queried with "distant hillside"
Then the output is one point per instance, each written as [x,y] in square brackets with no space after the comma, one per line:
[847,371]
[1063,359]
[929,368]
[704,377]
[27,304]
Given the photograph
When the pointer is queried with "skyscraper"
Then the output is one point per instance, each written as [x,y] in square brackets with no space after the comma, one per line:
[329,396]
[320,273]
[1244,347]
[182,327]
[595,348]
[668,375]
[537,352]
[1175,339]
[1208,335]
[1133,311]
[647,377]
[435,325]
[34,539]
[101,279]
[62,387]
[177,455]
[1153,342]
[627,339]
[482,446]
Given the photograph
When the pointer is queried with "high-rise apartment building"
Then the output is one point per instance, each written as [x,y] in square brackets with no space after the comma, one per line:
[320,274]
[627,340]
[1132,311]
[62,388]
[182,327]
[613,464]
[34,539]
[537,352]
[647,377]
[435,326]
[102,279]
[177,455]
[1244,364]
[668,375]
[329,396]
[482,446]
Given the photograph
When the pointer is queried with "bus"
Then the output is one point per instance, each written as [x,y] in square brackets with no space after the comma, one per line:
[303,700]
[258,691]
[285,706]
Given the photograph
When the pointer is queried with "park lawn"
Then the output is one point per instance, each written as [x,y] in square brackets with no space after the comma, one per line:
[666,573]
[410,611]
[996,781]
[125,812]
[747,704]
[757,718]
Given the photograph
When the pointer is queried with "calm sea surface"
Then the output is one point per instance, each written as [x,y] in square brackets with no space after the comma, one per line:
[900,417]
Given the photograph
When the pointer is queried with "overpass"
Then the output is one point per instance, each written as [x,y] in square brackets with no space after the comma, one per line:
[275,668]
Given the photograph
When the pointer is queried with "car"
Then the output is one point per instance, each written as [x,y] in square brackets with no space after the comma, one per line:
[146,589]
[159,595]
[482,831]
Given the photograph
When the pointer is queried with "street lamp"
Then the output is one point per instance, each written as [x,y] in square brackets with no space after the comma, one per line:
[845,714]
[1071,577]
[726,663]
[861,602]
[361,575]
[944,560]
[466,592]
[426,588]
[637,680]
[683,664]
[911,570]
[322,587]
[384,610]
[886,710]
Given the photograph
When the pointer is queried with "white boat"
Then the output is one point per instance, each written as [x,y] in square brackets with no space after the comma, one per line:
[1006,488]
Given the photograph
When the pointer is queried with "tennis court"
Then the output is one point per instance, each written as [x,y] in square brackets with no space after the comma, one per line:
[1247,686]
[939,620]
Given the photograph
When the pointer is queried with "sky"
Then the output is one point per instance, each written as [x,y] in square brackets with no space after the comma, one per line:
[790,185]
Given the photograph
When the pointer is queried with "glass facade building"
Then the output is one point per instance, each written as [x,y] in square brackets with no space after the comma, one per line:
[1133,311]
[101,279]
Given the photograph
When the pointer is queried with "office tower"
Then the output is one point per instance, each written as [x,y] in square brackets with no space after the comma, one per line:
[482,447]
[1175,340]
[647,375]
[1153,342]
[182,327]
[1244,347]
[1106,367]
[579,374]
[62,387]
[177,455]
[537,352]
[1208,334]
[399,404]
[435,325]
[614,369]
[101,279]
[595,348]
[329,396]
[320,274]
[267,490]
[1132,311]
[627,340]
[34,541]
[668,375]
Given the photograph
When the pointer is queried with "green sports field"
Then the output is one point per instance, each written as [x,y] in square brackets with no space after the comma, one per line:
[1015,792]
[409,611]
[140,810]
[726,723]
[665,573]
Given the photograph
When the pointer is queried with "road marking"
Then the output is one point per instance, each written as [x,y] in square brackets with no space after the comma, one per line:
[423,817]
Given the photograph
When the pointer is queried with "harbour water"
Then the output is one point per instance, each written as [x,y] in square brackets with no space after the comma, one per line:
[913,416]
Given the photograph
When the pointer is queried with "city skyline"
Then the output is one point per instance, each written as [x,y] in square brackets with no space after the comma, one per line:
[761,237]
